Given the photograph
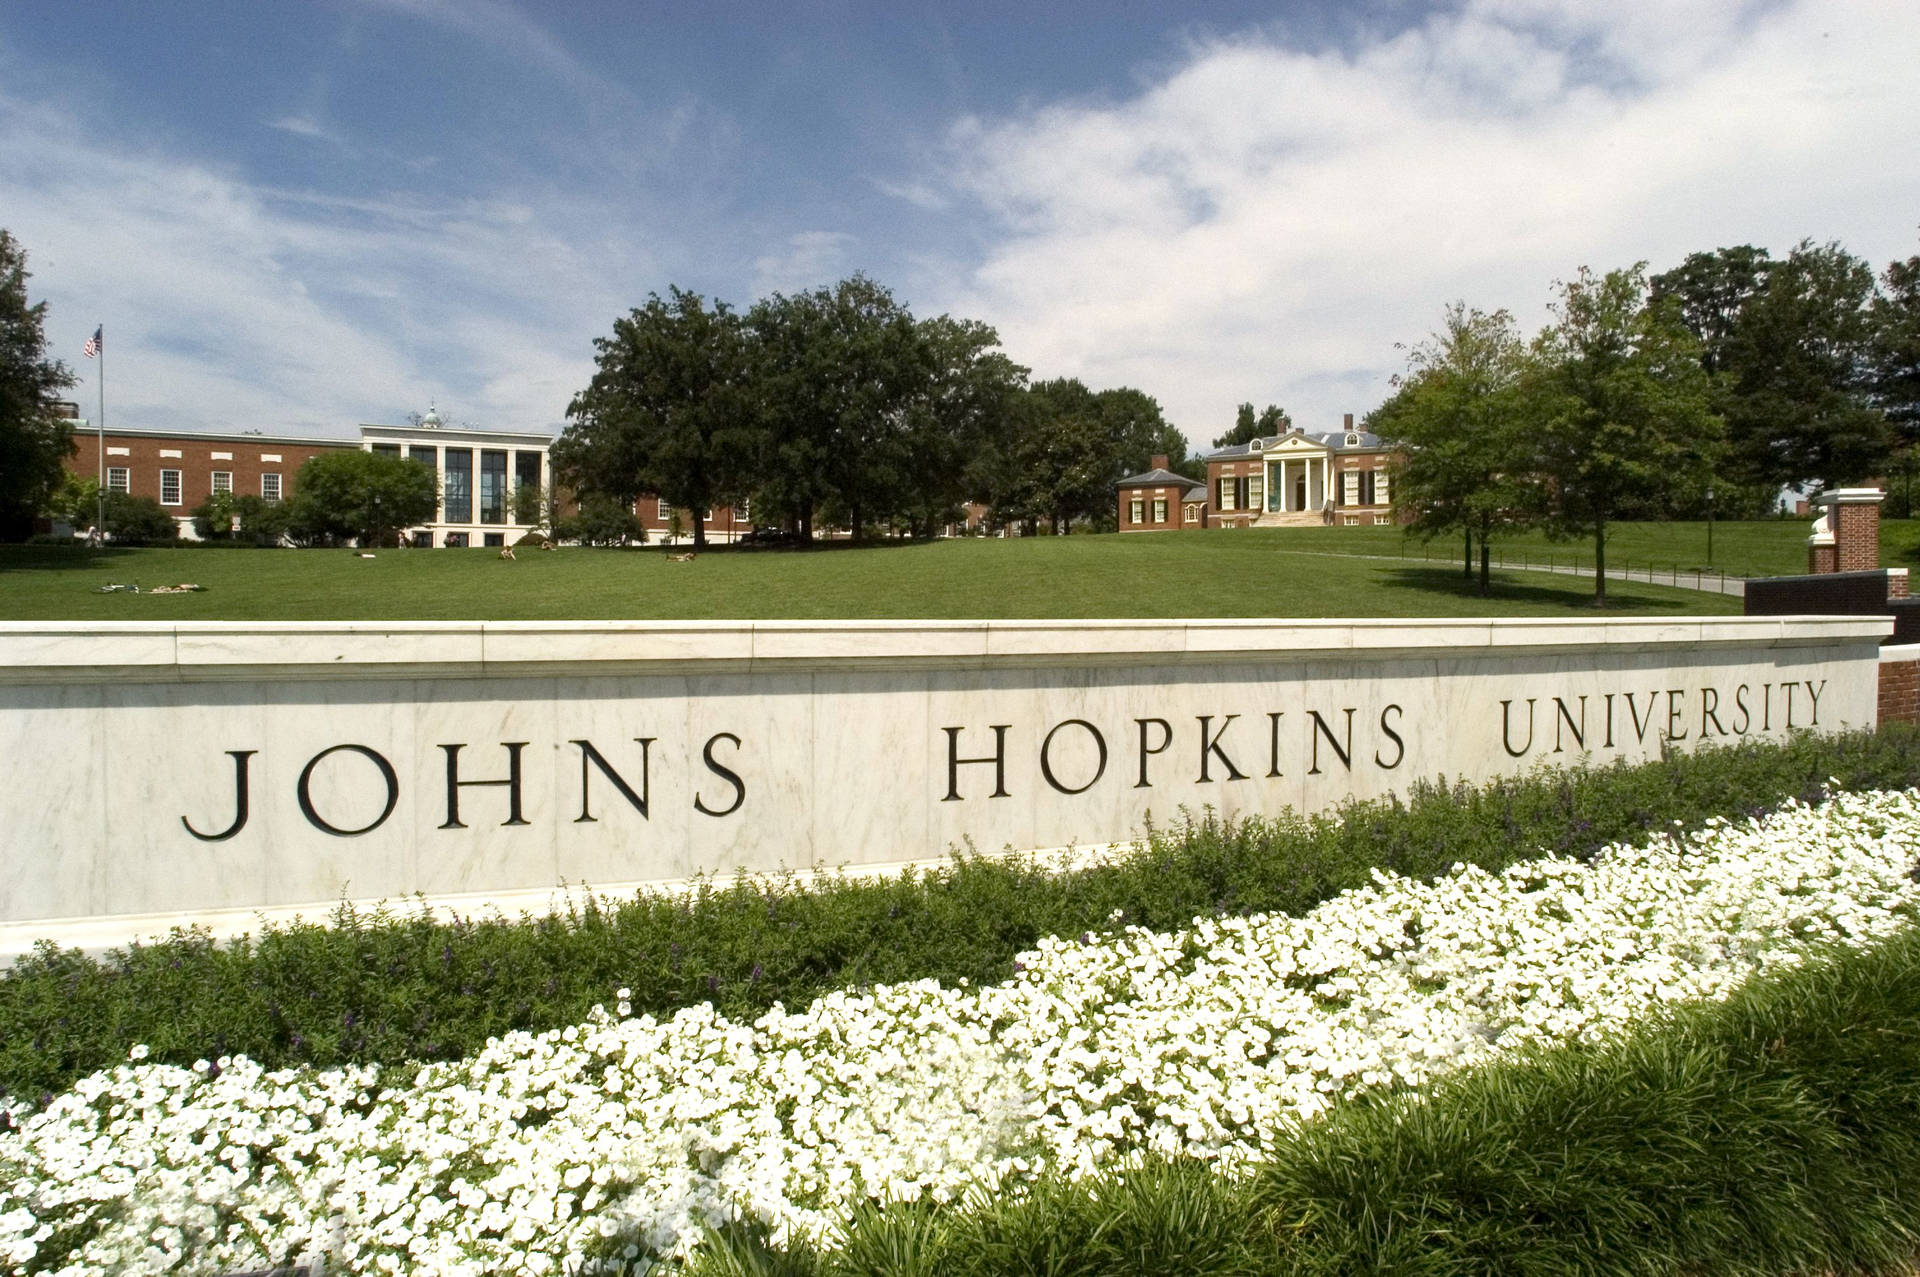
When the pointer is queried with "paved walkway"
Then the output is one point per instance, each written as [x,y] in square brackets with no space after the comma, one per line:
[1678,578]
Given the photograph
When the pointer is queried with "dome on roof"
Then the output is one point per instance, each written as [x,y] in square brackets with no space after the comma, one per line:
[432,420]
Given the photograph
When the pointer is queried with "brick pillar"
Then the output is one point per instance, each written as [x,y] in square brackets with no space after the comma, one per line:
[1896,583]
[1856,528]
[1821,557]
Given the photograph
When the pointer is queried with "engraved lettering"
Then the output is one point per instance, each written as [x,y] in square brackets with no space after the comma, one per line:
[724,773]
[1046,762]
[1166,741]
[511,781]
[588,754]
[1392,735]
[1320,729]
[1506,728]
[1577,730]
[998,758]
[304,791]
[239,757]
[1210,745]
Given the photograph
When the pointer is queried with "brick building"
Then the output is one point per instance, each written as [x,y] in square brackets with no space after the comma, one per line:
[1299,478]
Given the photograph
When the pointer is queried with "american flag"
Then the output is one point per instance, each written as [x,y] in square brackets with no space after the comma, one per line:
[93,343]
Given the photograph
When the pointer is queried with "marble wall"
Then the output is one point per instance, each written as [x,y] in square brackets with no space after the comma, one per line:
[184,768]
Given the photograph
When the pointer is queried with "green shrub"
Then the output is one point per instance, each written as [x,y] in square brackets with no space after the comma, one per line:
[391,986]
[1771,1133]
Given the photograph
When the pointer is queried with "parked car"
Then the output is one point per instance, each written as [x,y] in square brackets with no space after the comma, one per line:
[770,536]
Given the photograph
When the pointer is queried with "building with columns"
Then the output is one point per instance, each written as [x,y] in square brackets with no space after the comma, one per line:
[479,471]
[1299,478]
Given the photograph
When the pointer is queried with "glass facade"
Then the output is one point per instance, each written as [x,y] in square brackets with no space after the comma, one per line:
[386,449]
[459,486]
[493,486]
[526,470]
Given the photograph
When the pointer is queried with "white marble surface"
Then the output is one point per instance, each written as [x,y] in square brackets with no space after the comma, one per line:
[841,748]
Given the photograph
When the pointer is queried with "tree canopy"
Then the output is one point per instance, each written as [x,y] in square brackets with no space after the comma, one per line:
[364,495]
[1248,426]
[1622,407]
[34,443]
[1460,411]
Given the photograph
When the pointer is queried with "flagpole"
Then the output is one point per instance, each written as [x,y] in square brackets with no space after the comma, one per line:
[100,436]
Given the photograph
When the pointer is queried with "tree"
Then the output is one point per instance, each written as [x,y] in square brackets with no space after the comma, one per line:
[1710,289]
[962,414]
[1459,411]
[1896,348]
[138,521]
[34,443]
[835,371]
[262,522]
[1800,362]
[1622,406]
[667,410]
[1247,426]
[601,520]
[364,495]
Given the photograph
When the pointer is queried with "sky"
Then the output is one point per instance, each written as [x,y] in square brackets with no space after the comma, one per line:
[298,217]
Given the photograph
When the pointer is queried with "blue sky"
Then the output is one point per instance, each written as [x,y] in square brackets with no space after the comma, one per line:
[298,217]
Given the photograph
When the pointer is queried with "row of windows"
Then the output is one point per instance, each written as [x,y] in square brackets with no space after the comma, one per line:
[741,512]
[1140,509]
[120,479]
[457,490]
[1356,487]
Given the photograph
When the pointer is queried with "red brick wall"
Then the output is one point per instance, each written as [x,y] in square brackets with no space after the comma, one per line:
[1900,691]
[1172,494]
[1821,559]
[1857,536]
[197,462]
[721,522]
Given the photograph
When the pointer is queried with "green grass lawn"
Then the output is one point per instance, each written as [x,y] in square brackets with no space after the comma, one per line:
[1283,572]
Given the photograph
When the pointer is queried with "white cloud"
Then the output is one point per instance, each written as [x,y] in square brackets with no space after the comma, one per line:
[1265,222]
[232,306]
[810,259]
[300,125]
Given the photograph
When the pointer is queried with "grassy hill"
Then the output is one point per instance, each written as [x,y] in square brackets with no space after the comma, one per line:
[1293,573]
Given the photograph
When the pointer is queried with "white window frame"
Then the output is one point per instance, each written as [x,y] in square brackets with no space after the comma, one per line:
[222,482]
[1137,509]
[661,510]
[270,489]
[119,479]
[173,477]
[1159,509]
[744,510]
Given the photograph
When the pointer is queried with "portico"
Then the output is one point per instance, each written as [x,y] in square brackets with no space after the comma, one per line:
[1297,476]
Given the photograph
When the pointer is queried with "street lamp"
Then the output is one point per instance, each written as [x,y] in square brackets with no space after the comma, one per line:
[1709,525]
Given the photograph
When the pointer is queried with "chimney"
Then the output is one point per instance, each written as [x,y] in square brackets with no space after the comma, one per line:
[1159,462]
[1348,422]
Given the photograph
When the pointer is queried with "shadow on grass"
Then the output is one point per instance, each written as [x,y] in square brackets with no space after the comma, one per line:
[58,558]
[1575,596]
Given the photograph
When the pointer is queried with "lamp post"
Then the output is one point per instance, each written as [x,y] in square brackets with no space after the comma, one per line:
[1709,525]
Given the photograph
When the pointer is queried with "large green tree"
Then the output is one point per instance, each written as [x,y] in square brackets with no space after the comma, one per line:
[1622,407]
[1710,290]
[964,412]
[1469,448]
[1248,425]
[667,411]
[34,443]
[1799,406]
[1896,342]
[835,372]
[364,495]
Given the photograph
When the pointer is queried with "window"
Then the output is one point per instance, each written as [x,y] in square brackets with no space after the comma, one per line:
[425,456]
[493,486]
[1366,487]
[222,481]
[459,486]
[1137,511]
[117,478]
[1256,491]
[385,449]
[169,487]
[1380,488]
[456,540]
[744,509]
[493,538]
[1159,509]
[663,510]
[526,470]
[270,486]
[1226,494]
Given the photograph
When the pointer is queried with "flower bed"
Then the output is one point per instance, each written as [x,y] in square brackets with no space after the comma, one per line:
[619,1137]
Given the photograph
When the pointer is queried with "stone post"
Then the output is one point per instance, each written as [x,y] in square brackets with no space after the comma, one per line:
[1847,537]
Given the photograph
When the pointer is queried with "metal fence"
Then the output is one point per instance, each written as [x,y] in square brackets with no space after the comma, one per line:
[1710,580]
